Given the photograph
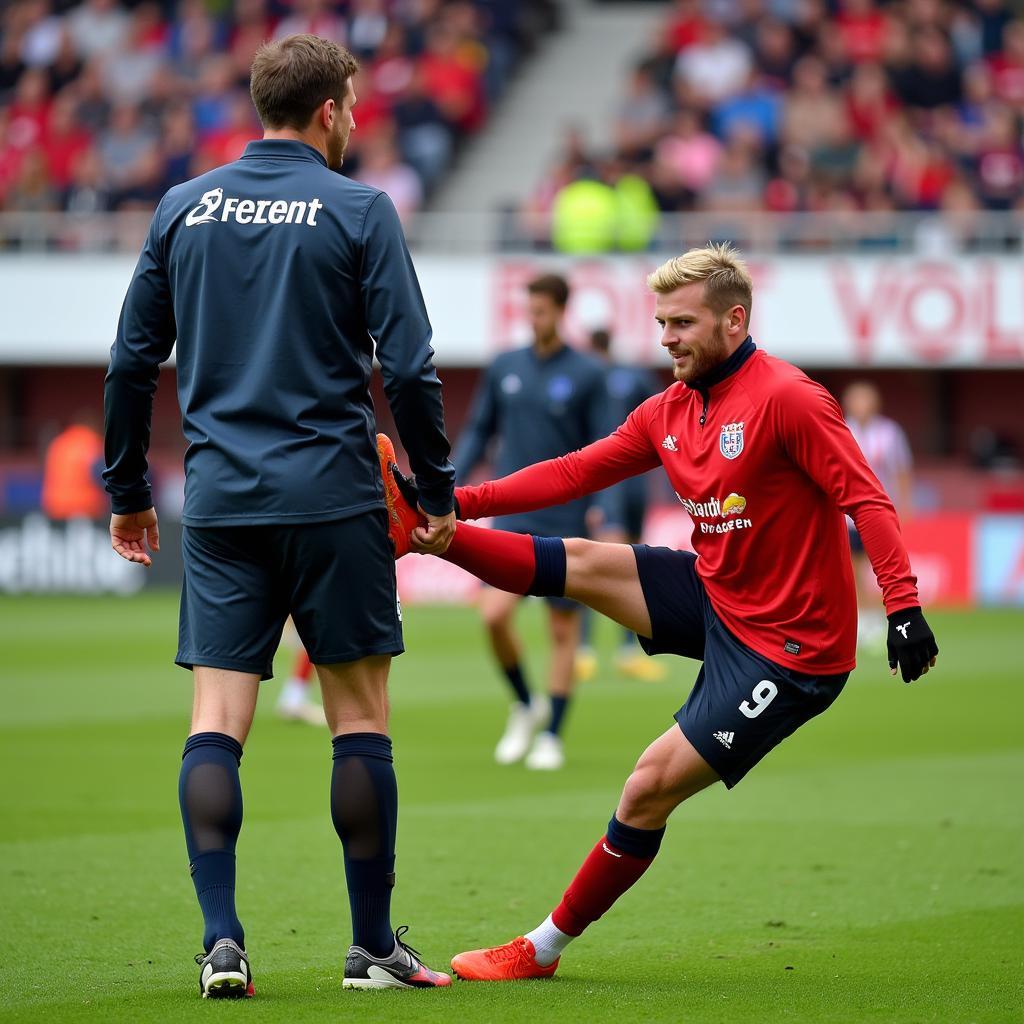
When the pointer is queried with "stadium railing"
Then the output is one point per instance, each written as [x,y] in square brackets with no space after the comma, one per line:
[918,234]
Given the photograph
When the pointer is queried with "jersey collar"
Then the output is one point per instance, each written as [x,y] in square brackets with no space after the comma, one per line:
[287,149]
[726,369]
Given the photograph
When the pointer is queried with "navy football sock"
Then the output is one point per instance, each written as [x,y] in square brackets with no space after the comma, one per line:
[364,809]
[516,679]
[558,709]
[210,795]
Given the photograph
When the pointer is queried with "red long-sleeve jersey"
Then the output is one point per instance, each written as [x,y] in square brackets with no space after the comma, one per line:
[765,466]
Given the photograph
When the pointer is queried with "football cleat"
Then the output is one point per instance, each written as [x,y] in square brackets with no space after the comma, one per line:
[523,721]
[307,711]
[546,754]
[584,666]
[224,972]
[515,961]
[402,969]
[636,665]
[403,518]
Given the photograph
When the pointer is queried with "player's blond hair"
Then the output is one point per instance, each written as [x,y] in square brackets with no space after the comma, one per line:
[726,279]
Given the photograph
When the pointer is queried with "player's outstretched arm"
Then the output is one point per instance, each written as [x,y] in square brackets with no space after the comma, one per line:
[625,453]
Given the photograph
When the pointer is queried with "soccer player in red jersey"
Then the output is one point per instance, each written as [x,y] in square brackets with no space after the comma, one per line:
[760,457]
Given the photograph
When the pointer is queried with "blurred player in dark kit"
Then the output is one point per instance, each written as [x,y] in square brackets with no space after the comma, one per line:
[540,401]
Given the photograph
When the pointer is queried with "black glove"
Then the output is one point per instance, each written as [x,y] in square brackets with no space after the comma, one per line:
[411,493]
[911,643]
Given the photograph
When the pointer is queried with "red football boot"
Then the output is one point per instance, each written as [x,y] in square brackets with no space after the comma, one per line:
[402,517]
[515,961]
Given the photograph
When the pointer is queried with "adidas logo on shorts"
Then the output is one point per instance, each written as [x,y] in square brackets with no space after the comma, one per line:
[725,738]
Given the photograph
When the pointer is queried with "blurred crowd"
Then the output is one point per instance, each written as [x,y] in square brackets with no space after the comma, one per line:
[808,105]
[105,104]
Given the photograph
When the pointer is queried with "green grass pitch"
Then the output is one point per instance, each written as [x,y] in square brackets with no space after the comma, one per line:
[871,869]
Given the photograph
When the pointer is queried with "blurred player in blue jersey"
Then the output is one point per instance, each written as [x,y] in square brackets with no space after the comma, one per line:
[279,279]
[618,513]
[887,450]
[540,402]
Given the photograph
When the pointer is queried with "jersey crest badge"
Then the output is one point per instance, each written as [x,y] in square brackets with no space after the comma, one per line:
[730,444]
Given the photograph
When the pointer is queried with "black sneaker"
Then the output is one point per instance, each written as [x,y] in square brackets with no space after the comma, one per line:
[224,972]
[402,969]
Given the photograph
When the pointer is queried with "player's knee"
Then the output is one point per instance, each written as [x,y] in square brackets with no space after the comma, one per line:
[651,791]
[581,561]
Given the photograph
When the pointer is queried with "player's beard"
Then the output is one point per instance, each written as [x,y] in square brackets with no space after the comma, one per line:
[704,358]
[336,144]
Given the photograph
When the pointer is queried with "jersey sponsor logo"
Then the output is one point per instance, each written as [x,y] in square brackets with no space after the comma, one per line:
[669,444]
[791,647]
[213,207]
[725,738]
[730,442]
[734,505]
[726,516]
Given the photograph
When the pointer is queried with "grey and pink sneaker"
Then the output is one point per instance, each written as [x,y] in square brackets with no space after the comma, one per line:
[402,969]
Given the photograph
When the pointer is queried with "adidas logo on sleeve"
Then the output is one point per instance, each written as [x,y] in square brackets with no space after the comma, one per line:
[725,738]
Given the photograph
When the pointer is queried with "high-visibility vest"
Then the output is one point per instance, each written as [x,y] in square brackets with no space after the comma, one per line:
[584,217]
[70,489]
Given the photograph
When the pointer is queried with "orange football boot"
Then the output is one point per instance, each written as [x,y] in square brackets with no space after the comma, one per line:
[515,961]
[402,517]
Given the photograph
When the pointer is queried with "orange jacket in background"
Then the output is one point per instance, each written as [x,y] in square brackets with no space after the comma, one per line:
[70,489]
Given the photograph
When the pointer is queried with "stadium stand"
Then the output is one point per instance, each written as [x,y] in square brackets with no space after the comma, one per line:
[104,104]
[813,107]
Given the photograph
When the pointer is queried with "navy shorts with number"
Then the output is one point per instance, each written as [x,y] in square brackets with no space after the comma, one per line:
[336,580]
[742,704]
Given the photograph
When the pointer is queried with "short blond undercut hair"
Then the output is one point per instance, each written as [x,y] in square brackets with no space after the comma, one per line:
[726,279]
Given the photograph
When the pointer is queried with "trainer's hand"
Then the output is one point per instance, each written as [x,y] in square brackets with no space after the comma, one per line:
[911,644]
[434,538]
[129,535]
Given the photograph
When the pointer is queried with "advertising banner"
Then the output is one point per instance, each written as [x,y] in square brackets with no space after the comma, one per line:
[822,311]
[960,559]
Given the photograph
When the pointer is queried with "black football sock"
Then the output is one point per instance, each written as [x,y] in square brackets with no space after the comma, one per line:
[364,809]
[210,795]
[517,681]
[559,705]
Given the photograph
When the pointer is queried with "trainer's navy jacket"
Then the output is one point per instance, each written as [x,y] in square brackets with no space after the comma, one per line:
[538,408]
[761,459]
[277,276]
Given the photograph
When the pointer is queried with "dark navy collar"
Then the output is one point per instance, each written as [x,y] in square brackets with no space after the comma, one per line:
[727,368]
[288,149]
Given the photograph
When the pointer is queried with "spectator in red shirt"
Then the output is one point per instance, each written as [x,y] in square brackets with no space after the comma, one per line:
[862,28]
[64,141]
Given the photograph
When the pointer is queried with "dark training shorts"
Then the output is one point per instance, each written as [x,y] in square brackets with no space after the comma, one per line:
[336,580]
[742,704]
[856,544]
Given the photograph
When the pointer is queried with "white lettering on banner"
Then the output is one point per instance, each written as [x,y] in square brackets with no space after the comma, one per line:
[38,556]
[816,312]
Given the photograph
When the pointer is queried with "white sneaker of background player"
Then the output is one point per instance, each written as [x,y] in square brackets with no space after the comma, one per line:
[871,630]
[523,722]
[295,705]
[546,754]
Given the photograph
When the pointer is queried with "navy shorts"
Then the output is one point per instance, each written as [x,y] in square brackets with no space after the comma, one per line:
[856,544]
[336,580]
[742,704]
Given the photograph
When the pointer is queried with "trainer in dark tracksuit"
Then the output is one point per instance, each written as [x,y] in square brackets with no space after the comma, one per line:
[280,279]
